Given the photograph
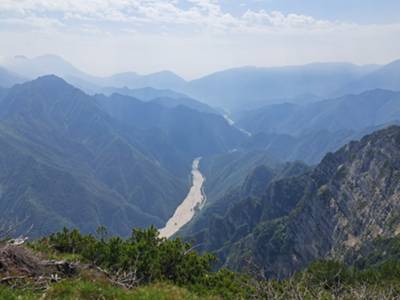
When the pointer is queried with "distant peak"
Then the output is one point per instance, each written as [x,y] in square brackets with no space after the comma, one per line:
[165,73]
[50,77]
[21,57]
[50,81]
[126,74]
[394,63]
[378,91]
[50,56]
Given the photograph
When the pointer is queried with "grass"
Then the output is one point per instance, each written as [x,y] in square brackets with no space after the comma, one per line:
[16,294]
[79,289]
[45,249]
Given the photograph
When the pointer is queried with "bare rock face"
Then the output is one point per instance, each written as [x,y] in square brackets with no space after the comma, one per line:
[351,198]
[363,191]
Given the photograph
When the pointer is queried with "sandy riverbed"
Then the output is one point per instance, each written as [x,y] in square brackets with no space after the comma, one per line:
[185,212]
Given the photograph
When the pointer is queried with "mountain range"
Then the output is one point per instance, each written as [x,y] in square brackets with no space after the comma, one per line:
[51,64]
[69,160]
[308,169]
[353,112]
[164,97]
[232,89]
[308,131]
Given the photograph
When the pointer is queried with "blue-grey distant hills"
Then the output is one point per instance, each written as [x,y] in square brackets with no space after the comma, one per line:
[240,87]
[144,94]
[52,64]
[308,131]
[8,78]
[165,97]
[353,112]
[159,86]
[232,89]
[386,77]
[159,80]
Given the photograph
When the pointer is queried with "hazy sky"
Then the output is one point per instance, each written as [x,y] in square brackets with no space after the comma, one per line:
[194,37]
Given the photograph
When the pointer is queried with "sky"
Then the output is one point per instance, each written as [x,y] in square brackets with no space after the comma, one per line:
[197,37]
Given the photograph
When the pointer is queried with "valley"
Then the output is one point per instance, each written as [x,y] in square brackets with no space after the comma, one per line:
[199,150]
[270,190]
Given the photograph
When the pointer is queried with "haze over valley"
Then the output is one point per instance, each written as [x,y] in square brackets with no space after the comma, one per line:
[233,151]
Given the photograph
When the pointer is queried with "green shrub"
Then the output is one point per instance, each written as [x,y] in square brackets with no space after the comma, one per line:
[330,274]
[151,258]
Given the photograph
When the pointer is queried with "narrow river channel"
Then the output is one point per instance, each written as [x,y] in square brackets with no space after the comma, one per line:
[185,212]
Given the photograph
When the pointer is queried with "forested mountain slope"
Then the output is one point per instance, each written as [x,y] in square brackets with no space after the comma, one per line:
[346,202]
[66,161]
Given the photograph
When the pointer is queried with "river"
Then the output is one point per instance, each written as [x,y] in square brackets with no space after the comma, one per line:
[186,210]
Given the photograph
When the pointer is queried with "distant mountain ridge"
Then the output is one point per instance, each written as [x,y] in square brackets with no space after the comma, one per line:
[353,112]
[386,77]
[144,94]
[308,131]
[237,88]
[232,89]
[168,98]
[32,68]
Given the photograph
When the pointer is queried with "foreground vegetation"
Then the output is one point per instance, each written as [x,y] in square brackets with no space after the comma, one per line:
[145,266]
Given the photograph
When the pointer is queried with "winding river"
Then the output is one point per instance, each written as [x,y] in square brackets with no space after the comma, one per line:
[185,212]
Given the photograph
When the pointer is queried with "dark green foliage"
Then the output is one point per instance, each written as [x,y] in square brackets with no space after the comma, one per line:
[151,258]
[331,274]
[156,260]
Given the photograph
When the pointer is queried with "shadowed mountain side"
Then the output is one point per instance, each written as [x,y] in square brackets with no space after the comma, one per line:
[351,112]
[191,132]
[61,128]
